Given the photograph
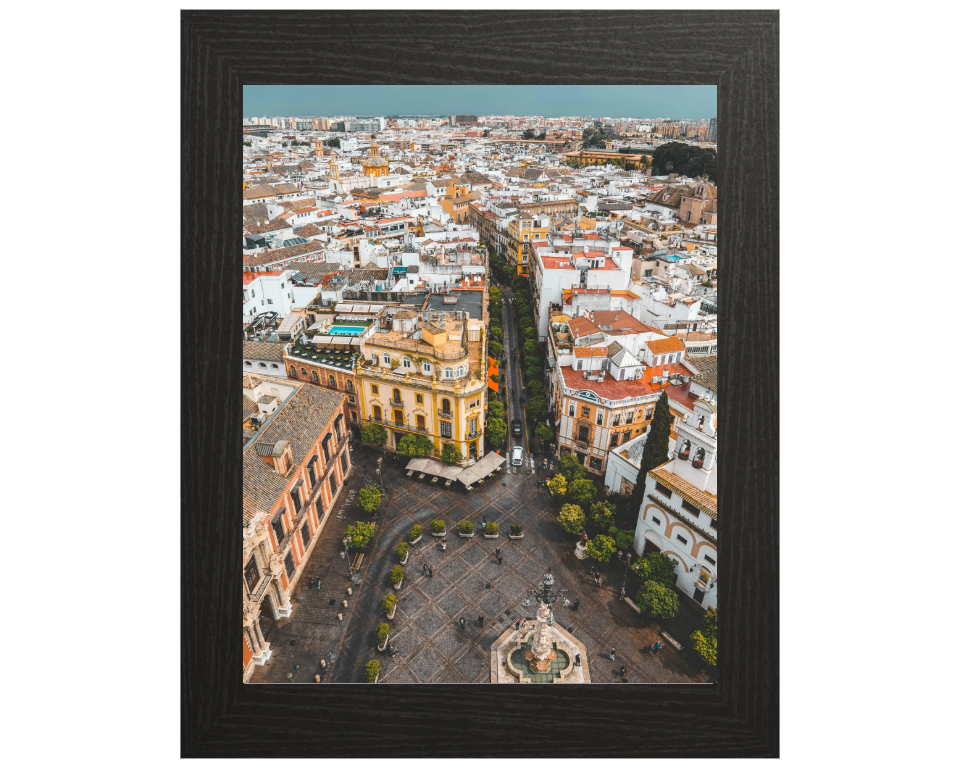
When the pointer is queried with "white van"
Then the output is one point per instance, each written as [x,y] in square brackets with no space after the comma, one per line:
[516,456]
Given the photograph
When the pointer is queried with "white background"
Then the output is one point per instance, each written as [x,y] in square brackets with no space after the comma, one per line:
[869,453]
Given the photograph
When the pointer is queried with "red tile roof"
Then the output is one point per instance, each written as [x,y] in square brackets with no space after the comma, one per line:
[669,344]
[611,389]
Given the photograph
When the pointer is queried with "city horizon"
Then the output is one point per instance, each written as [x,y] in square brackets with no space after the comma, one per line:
[639,102]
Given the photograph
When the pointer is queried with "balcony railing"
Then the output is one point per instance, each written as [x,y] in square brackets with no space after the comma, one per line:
[472,434]
[423,430]
[395,403]
[376,420]
[446,414]
[581,444]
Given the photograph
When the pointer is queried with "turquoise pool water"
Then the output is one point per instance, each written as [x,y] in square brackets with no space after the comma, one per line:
[346,330]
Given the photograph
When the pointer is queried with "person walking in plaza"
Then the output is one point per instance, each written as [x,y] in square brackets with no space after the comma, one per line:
[576,604]
[613,654]
[599,582]
[430,570]
[623,672]
[577,661]
[463,623]
[480,620]
[657,646]
[623,594]
[443,545]
[424,569]
[518,625]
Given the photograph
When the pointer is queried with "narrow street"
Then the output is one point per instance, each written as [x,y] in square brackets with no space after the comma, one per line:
[513,380]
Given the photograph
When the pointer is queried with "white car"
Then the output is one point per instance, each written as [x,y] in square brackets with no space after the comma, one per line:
[516,456]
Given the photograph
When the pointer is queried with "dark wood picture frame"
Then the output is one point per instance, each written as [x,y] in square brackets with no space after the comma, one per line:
[220,52]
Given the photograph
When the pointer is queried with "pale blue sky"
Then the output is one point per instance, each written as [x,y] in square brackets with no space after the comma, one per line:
[672,101]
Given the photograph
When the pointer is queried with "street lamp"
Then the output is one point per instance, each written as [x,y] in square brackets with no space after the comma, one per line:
[379,475]
[345,553]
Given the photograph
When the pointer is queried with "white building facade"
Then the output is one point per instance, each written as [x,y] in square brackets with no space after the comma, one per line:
[678,516]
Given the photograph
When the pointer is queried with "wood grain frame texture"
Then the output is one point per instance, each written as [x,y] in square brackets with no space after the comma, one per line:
[221,51]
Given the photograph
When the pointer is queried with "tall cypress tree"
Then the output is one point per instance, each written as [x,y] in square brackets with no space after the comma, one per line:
[656,450]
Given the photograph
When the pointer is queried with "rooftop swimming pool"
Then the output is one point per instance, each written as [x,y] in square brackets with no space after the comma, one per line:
[346,330]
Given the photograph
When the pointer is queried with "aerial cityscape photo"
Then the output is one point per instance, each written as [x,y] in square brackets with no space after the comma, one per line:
[479,384]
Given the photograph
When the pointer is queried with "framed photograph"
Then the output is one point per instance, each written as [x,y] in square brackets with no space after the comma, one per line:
[475,323]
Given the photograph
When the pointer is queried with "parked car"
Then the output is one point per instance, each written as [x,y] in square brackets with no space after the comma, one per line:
[516,456]
[517,427]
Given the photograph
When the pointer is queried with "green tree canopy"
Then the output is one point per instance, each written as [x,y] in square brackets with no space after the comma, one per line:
[531,350]
[582,492]
[415,447]
[369,499]
[601,548]
[704,640]
[687,160]
[602,515]
[451,454]
[656,449]
[495,409]
[655,566]
[496,432]
[373,433]
[537,406]
[558,485]
[496,332]
[572,518]
[495,348]
[529,334]
[622,537]
[657,600]
[544,431]
[535,387]
[569,467]
[332,143]
[528,133]
[360,534]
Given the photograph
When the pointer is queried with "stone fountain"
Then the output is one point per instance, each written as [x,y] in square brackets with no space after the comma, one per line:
[544,653]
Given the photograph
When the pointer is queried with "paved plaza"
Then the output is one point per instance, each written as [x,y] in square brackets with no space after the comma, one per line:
[467,582]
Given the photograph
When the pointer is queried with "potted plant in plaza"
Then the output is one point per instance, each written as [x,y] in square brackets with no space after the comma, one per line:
[390,605]
[438,529]
[516,531]
[396,576]
[416,533]
[465,529]
[383,634]
[492,531]
[372,671]
[403,552]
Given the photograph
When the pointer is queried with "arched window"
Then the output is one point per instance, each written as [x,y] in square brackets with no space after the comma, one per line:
[332,381]
[459,371]
[427,368]
[396,395]
[303,371]
[248,364]
[386,358]
[274,366]
[349,386]
[293,371]
[406,362]
[262,365]
[448,373]
[445,405]
[315,377]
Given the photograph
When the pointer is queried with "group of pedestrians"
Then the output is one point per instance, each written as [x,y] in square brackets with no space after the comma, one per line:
[463,621]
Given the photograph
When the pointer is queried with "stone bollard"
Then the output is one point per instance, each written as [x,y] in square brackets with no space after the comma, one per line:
[323,663]
[339,617]
[349,590]
[316,678]
[344,603]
